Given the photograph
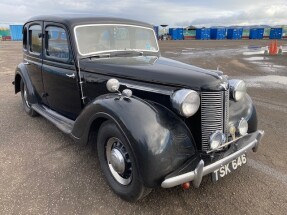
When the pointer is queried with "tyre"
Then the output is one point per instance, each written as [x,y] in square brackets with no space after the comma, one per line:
[26,104]
[118,163]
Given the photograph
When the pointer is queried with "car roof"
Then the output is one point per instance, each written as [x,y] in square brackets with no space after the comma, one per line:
[72,20]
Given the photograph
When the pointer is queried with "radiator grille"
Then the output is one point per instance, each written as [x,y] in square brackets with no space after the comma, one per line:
[226,112]
[214,114]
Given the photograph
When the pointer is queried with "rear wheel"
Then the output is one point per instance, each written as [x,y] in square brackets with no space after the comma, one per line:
[118,163]
[26,104]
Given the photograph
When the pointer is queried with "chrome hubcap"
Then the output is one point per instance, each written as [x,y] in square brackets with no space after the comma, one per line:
[26,97]
[118,161]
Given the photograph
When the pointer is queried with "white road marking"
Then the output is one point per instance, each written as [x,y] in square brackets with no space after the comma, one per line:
[267,170]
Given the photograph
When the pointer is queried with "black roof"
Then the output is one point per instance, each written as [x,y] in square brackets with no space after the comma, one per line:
[71,20]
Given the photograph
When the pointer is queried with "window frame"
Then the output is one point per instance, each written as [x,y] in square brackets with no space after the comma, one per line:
[25,44]
[29,39]
[45,48]
[110,51]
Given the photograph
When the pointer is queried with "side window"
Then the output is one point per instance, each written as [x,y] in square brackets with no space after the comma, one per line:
[56,43]
[25,38]
[35,39]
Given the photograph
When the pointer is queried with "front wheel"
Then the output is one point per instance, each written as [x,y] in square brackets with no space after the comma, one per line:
[118,163]
[26,104]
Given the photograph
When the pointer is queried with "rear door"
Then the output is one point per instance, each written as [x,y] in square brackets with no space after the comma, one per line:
[60,78]
[32,50]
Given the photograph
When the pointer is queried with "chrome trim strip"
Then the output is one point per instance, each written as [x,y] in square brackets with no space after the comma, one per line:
[200,171]
[226,113]
[226,144]
[148,89]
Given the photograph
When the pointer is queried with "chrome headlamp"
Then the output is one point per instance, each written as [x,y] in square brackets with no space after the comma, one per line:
[237,89]
[186,102]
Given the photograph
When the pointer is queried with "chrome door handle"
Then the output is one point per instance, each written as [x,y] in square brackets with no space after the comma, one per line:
[26,63]
[71,76]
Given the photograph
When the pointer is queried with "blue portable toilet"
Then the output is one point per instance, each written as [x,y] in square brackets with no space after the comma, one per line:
[253,34]
[217,33]
[234,33]
[260,33]
[202,34]
[173,33]
[276,33]
[176,33]
[256,33]
[156,30]
[180,33]
[16,32]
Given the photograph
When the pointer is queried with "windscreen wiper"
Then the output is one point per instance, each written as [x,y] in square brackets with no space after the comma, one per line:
[128,51]
[103,55]
[134,50]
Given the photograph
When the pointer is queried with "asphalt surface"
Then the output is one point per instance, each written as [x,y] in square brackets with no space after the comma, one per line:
[42,171]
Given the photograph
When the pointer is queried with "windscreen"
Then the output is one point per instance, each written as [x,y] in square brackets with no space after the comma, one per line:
[93,39]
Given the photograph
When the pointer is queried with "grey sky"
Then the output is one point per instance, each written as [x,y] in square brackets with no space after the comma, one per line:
[175,13]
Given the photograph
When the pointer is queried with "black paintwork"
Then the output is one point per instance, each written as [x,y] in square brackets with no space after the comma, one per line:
[71,20]
[162,141]
[139,120]
[155,69]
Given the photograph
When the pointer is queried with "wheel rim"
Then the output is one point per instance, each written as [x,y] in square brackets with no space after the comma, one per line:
[118,161]
[26,97]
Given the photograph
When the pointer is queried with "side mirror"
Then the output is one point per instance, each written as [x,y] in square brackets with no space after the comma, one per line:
[113,85]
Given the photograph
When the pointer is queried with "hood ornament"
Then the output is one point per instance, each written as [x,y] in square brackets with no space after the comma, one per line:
[224,79]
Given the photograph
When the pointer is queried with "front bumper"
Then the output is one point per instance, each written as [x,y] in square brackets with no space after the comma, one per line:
[250,141]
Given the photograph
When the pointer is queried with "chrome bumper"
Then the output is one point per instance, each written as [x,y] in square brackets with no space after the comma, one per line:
[201,170]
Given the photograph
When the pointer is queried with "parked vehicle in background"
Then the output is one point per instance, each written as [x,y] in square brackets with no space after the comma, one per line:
[154,121]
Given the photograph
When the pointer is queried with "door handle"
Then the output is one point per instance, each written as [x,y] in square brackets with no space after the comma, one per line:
[71,76]
[26,63]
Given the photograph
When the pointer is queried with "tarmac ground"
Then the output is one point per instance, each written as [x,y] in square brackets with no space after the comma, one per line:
[42,171]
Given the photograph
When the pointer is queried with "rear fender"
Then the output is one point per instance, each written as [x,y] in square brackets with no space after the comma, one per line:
[21,73]
[159,140]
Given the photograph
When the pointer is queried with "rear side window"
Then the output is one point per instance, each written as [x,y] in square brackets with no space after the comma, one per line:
[35,39]
[56,43]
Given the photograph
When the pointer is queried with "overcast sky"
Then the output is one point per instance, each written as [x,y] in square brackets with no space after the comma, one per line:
[176,13]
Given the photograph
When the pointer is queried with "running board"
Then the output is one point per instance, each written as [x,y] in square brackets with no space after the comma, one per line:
[61,122]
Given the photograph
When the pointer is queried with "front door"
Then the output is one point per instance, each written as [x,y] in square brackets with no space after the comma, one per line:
[60,78]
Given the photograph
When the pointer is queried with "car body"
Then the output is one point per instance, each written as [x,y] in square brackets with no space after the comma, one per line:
[154,121]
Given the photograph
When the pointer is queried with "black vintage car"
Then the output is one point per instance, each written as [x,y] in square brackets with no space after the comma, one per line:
[153,121]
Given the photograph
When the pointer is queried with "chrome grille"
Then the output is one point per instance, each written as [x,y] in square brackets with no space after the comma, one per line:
[214,114]
[226,112]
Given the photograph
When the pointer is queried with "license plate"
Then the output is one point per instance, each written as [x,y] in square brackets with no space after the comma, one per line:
[228,168]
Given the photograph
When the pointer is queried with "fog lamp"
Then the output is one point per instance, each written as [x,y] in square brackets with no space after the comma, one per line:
[216,140]
[242,127]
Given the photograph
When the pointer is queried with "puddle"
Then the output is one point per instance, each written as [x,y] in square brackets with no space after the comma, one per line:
[228,53]
[188,53]
[264,63]
[169,52]
[254,47]
[268,81]
[254,52]
[256,58]
[199,53]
